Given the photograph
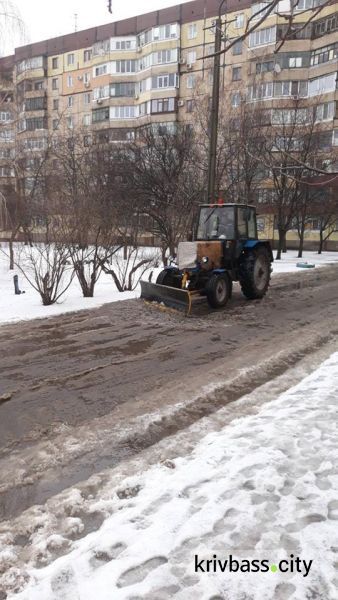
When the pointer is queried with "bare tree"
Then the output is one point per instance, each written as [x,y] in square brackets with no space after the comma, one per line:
[91,205]
[11,26]
[27,194]
[128,265]
[325,211]
[164,180]
[46,265]
[288,14]
[291,151]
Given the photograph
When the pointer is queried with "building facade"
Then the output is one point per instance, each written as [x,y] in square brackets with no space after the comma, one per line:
[108,81]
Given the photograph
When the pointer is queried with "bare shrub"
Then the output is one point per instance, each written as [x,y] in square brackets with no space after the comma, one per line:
[47,269]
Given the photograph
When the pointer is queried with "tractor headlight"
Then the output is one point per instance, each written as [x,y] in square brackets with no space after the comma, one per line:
[205,260]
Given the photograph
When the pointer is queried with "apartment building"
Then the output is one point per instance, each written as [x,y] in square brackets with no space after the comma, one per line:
[108,81]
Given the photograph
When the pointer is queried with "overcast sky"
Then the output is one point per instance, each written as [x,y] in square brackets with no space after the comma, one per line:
[49,18]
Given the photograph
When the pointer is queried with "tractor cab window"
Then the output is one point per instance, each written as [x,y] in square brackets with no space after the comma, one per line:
[252,233]
[216,222]
[246,223]
[242,223]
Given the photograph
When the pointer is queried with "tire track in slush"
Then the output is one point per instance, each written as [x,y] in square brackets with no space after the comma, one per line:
[167,423]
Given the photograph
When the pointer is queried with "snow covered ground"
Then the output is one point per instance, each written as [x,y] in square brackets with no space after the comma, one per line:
[262,488]
[28,306]
[288,263]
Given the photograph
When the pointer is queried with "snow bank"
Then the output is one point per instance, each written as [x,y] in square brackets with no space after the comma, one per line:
[262,488]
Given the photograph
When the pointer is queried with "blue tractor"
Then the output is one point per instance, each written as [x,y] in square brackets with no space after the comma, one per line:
[226,249]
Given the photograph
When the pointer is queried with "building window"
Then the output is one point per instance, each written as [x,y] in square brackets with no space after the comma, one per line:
[70,59]
[55,84]
[286,116]
[123,44]
[6,172]
[87,98]
[55,124]
[86,78]
[265,67]
[101,92]
[260,224]
[260,91]
[123,112]
[261,8]
[86,120]
[325,111]
[305,4]
[235,99]
[191,58]
[35,144]
[163,105]
[5,116]
[191,81]
[326,25]
[125,66]
[101,114]
[87,54]
[35,103]
[70,122]
[123,89]
[321,85]
[262,37]
[192,31]
[30,64]
[323,55]
[35,123]
[70,81]
[291,88]
[6,153]
[165,81]
[236,73]
[158,58]
[101,70]
[55,63]
[165,32]
[265,196]
[295,62]
[6,135]
[190,106]
[237,48]
[56,104]
[239,21]
[70,101]
[101,48]
[335,137]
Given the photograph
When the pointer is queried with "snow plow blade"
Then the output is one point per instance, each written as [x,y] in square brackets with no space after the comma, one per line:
[173,297]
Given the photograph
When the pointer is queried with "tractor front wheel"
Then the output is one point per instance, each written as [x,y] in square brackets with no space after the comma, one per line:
[218,290]
[169,277]
[255,273]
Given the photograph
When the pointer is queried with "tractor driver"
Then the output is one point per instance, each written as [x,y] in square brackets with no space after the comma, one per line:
[223,224]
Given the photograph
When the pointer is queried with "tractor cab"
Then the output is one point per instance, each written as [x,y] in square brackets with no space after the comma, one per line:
[226,222]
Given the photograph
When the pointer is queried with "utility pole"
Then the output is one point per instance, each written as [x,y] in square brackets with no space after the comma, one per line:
[215,109]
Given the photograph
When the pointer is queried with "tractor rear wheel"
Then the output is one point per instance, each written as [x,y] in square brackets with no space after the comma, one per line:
[255,273]
[169,277]
[218,290]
